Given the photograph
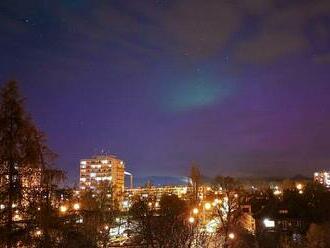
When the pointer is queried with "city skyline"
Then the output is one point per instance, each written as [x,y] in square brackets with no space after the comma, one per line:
[165,83]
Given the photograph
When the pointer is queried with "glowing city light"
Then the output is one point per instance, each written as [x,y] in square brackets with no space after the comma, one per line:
[17,217]
[195,211]
[38,233]
[76,206]
[269,223]
[299,186]
[231,235]
[207,206]
[277,192]
[63,209]
[191,220]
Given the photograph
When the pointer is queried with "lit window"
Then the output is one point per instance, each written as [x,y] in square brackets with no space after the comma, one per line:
[93,174]
[80,220]
[269,223]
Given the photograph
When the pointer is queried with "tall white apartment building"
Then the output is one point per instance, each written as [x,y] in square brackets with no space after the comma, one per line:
[103,170]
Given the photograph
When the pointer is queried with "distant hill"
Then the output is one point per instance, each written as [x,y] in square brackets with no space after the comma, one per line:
[180,180]
[163,180]
[159,180]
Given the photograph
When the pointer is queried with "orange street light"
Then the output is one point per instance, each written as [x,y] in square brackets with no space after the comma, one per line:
[231,235]
[191,220]
[63,209]
[207,206]
[76,206]
[38,233]
[299,186]
[195,211]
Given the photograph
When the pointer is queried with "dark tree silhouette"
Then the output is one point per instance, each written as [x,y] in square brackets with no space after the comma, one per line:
[24,158]
[195,176]
[99,211]
[228,211]
[166,226]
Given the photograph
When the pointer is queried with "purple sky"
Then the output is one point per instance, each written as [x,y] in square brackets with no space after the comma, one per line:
[240,87]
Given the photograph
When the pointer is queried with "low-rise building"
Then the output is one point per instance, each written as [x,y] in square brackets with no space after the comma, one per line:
[322,177]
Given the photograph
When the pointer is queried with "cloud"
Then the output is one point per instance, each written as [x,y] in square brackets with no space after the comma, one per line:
[269,46]
[201,29]
[281,31]
[322,58]
[259,31]
[191,28]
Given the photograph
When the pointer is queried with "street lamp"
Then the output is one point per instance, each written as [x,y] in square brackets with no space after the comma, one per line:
[191,220]
[207,206]
[63,209]
[195,211]
[38,233]
[17,217]
[277,192]
[76,206]
[231,236]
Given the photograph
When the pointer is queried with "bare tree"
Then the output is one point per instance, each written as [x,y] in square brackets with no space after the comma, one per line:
[98,211]
[228,210]
[22,152]
[167,226]
[27,178]
[195,176]
[318,235]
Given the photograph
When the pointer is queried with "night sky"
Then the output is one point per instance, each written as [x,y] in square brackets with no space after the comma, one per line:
[240,87]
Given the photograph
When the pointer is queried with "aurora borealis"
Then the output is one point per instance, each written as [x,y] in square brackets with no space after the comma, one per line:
[242,88]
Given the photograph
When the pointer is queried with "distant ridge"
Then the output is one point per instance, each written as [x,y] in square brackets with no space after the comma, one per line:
[160,180]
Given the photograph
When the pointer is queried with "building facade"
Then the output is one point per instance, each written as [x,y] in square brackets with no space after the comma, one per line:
[103,171]
[322,177]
